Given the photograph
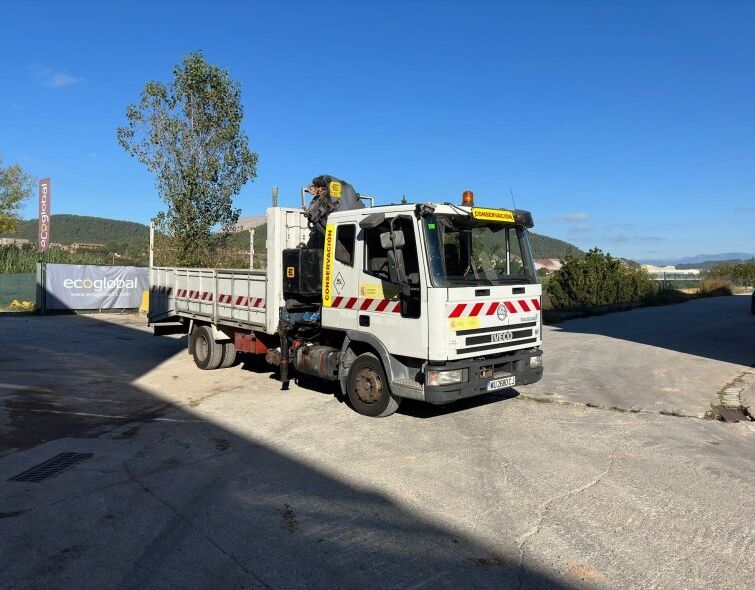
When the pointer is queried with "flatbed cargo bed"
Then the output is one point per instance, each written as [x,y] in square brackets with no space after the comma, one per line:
[242,298]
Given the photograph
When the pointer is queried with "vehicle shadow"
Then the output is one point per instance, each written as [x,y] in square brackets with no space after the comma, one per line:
[417,409]
[408,407]
[172,499]
[720,328]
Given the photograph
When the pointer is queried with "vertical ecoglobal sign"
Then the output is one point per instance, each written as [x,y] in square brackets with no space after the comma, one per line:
[45,193]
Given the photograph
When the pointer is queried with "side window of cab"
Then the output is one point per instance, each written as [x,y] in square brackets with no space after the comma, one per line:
[345,241]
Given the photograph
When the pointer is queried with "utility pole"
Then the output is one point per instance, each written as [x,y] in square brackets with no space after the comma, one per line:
[251,242]
[151,244]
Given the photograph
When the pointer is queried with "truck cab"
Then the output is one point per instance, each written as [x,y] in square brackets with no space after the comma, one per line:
[447,295]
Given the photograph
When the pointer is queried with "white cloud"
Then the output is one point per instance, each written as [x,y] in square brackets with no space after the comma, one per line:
[572,217]
[57,79]
[582,228]
[619,239]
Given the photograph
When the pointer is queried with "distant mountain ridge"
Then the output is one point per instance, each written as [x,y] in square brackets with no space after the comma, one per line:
[700,258]
[131,236]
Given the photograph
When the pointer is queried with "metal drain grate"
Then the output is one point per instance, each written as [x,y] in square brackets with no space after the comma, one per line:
[52,467]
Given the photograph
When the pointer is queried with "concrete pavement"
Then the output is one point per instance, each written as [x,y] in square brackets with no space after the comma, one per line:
[217,478]
[672,358]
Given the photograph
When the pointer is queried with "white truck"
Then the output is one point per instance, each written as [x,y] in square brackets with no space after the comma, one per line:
[433,302]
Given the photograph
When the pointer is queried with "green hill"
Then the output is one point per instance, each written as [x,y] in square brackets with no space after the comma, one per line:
[545,247]
[120,236]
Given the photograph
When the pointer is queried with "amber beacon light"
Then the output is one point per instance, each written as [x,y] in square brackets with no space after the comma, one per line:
[467,198]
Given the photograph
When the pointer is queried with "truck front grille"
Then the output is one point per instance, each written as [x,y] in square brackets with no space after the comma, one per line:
[501,338]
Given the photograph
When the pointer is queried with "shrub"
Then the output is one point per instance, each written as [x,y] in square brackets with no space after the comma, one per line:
[714,287]
[665,297]
[742,273]
[598,279]
[24,260]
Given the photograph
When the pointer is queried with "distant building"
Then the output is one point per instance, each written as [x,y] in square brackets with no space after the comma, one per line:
[14,242]
[671,273]
[549,264]
[80,246]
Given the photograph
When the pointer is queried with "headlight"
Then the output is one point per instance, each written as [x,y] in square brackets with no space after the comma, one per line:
[536,361]
[435,377]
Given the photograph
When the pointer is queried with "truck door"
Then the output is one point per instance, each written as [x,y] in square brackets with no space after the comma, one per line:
[402,329]
[340,276]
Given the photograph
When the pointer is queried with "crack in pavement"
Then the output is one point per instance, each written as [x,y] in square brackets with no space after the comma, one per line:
[546,506]
[230,556]
[617,409]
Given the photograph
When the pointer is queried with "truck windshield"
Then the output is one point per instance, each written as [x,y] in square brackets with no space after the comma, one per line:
[463,251]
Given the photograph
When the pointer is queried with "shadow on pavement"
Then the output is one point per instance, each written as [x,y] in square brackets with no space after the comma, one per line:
[720,328]
[173,500]
[418,409]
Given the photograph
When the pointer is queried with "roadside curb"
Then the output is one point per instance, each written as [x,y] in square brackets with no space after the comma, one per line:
[734,401]
[747,395]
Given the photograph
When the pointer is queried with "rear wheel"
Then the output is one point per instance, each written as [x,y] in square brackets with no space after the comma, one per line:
[229,355]
[368,389]
[207,353]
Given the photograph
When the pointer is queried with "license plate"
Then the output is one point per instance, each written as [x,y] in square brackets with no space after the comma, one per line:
[501,383]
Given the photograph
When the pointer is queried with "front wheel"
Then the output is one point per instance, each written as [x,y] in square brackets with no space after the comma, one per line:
[368,389]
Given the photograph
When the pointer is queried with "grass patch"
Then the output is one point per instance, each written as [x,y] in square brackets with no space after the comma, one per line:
[715,287]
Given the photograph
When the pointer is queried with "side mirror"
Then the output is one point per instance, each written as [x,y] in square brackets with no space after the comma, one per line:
[390,240]
[396,270]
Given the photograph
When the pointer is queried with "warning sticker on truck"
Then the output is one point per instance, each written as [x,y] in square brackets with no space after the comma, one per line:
[335,189]
[502,215]
[463,323]
[378,290]
[327,265]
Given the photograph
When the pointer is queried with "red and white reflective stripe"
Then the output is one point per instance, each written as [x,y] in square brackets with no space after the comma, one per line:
[376,305]
[471,310]
[344,302]
[207,297]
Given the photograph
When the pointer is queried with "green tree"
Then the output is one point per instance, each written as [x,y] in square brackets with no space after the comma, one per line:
[597,278]
[188,133]
[742,273]
[15,187]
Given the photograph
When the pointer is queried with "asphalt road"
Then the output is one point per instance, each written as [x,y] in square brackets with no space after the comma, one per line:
[218,479]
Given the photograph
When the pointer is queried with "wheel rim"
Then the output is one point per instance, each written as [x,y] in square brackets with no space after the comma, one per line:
[202,349]
[368,385]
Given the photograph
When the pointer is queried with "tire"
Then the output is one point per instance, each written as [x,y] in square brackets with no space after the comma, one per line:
[207,353]
[368,389]
[229,355]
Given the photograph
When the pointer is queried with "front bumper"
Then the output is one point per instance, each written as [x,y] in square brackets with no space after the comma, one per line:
[516,364]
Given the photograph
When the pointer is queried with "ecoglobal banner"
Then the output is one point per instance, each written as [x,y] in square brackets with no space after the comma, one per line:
[86,286]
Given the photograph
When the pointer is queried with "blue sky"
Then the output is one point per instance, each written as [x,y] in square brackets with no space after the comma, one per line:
[624,125]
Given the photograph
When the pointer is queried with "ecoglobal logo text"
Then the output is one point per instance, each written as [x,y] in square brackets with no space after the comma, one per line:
[99,284]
